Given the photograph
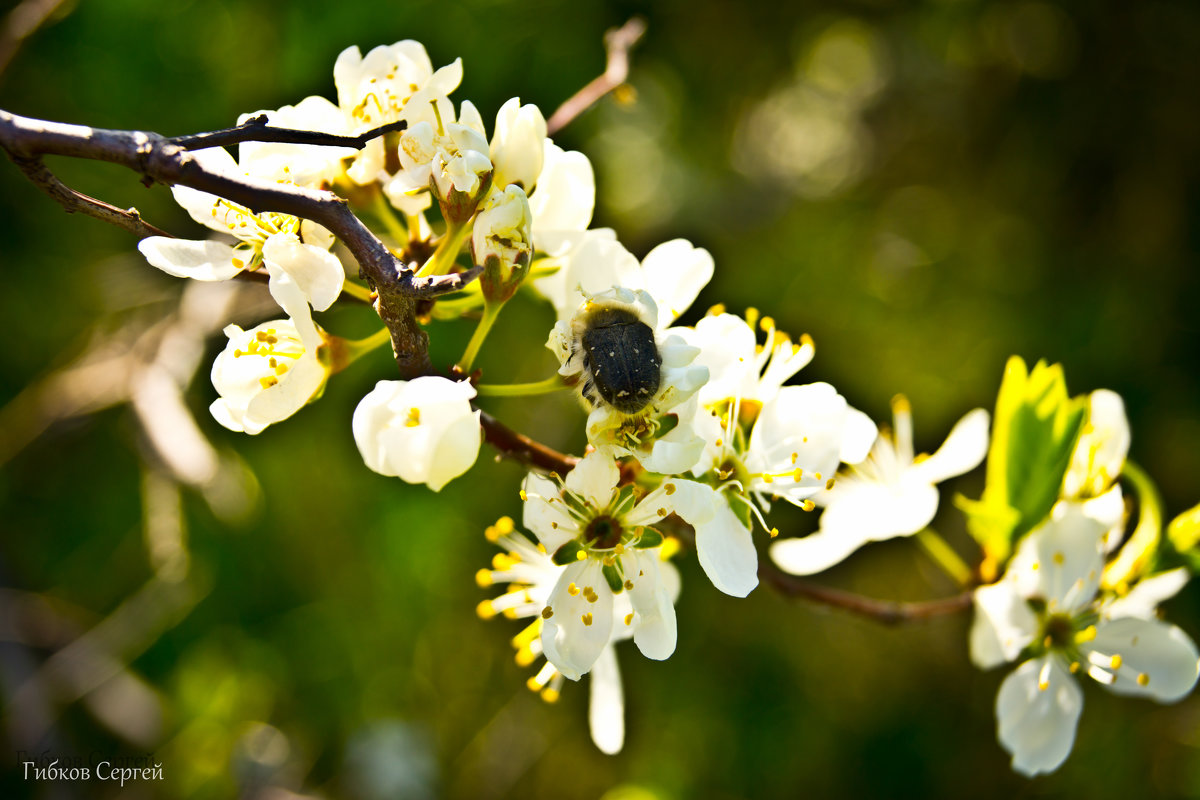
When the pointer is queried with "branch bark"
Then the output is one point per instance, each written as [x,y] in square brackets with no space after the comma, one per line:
[886,612]
[157,158]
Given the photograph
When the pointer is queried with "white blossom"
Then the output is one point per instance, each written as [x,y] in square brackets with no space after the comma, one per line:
[282,244]
[673,273]
[562,206]
[302,165]
[268,373]
[889,494]
[391,83]
[603,534]
[530,576]
[518,145]
[639,434]
[422,431]
[738,366]
[502,229]
[1046,608]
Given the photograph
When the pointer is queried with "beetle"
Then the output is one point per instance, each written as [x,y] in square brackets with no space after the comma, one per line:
[622,365]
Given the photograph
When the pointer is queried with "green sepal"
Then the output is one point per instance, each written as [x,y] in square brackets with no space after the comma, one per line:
[650,538]
[625,500]
[1139,555]
[1184,535]
[740,507]
[666,424]
[1034,431]
[567,554]
[612,574]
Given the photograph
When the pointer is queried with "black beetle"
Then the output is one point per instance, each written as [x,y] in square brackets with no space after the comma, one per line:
[621,361]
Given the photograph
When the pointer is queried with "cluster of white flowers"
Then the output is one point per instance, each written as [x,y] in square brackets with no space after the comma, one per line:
[694,432]
[1060,611]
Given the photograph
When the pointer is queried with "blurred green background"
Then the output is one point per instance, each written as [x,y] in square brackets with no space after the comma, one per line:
[926,188]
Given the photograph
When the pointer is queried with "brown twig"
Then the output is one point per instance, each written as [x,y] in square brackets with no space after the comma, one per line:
[71,201]
[520,447]
[257,129]
[159,159]
[886,612]
[20,24]
[617,42]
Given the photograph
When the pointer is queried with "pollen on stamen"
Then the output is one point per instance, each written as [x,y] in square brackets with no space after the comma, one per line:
[1115,662]
[829,484]
[629,618]
[1074,667]
[550,695]
[774,532]
[587,619]
[572,590]
[485,609]
[808,505]
[1143,679]
[524,497]
[483,578]
[505,525]
[547,612]
[794,457]
[629,584]
[662,512]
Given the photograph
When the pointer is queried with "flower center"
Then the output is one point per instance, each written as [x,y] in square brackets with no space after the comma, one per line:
[603,533]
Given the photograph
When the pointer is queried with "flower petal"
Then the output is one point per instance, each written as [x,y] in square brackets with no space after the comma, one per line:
[577,630]
[201,261]
[1037,711]
[1004,624]
[1157,659]
[317,272]
[654,630]
[1061,560]
[674,273]
[962,451]
[545,514]
[1147,594]
[595,477]
[726,552]
[606,704]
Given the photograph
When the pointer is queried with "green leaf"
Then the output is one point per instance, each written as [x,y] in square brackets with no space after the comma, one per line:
[1034,431]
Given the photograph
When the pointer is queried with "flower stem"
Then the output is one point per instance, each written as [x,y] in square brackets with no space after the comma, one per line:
[551,384]
[347,351]
[490,312]
[944,556]
[357,292]
[447,251]
[383,211]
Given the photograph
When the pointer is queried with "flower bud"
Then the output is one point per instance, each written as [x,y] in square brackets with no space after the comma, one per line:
[421,431]
[502,243]
[518,143]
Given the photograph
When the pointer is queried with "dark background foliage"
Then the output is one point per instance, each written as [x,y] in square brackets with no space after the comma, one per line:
[926,188]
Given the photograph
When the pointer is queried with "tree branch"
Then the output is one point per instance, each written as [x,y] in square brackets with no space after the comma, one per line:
[258,129]
[71,201]
[618,42]
[522,448]
[886,612]
[159,159]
